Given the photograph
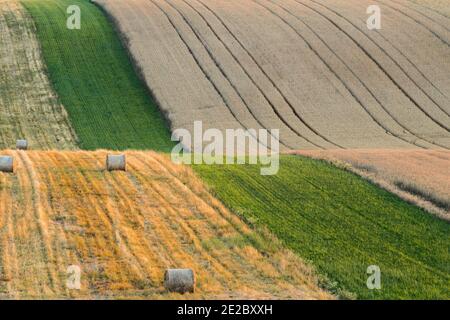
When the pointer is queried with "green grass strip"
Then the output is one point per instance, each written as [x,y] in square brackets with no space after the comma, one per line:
[108,104]
[342,224]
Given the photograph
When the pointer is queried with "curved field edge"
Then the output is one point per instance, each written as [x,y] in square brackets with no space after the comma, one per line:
[231,50]
[417,176]
[29,108]
[123,229]
[342,224]
[108,105]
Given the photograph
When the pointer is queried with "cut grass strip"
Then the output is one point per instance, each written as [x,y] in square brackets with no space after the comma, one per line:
[342,224]
[108,105]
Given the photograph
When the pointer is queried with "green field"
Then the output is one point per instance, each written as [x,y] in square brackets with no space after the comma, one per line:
[342,224]
[339,222]
[108,105]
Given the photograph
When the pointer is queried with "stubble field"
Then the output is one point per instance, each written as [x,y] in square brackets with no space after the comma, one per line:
[29,107]
[123,229]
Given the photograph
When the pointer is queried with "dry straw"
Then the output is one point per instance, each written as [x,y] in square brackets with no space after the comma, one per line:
[6,164]
[116,162]
[179,280]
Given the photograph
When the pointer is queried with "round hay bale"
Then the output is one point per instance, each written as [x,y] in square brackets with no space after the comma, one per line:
[6,164]
[22,145]
[116,162]
[179,280]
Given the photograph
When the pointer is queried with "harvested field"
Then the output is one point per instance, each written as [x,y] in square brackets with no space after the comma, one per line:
[419,176]
[310,68]
[125,228]
[29,108]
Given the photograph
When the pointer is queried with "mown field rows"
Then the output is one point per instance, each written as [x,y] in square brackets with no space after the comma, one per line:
[109,107]
[309,68]
[342,224]
[125,228]
[29,108]
[418,176]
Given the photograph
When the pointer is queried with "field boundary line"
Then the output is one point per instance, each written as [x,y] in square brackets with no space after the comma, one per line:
[228,218]
[218,265]
[232,219]
[45,77]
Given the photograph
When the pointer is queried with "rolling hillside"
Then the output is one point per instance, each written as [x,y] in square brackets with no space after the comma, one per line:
[123,229]
[418,176]
[108,106]
[341,224]
[310,68]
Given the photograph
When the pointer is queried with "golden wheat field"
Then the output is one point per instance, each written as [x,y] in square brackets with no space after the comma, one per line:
[123,229]
[310,68]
